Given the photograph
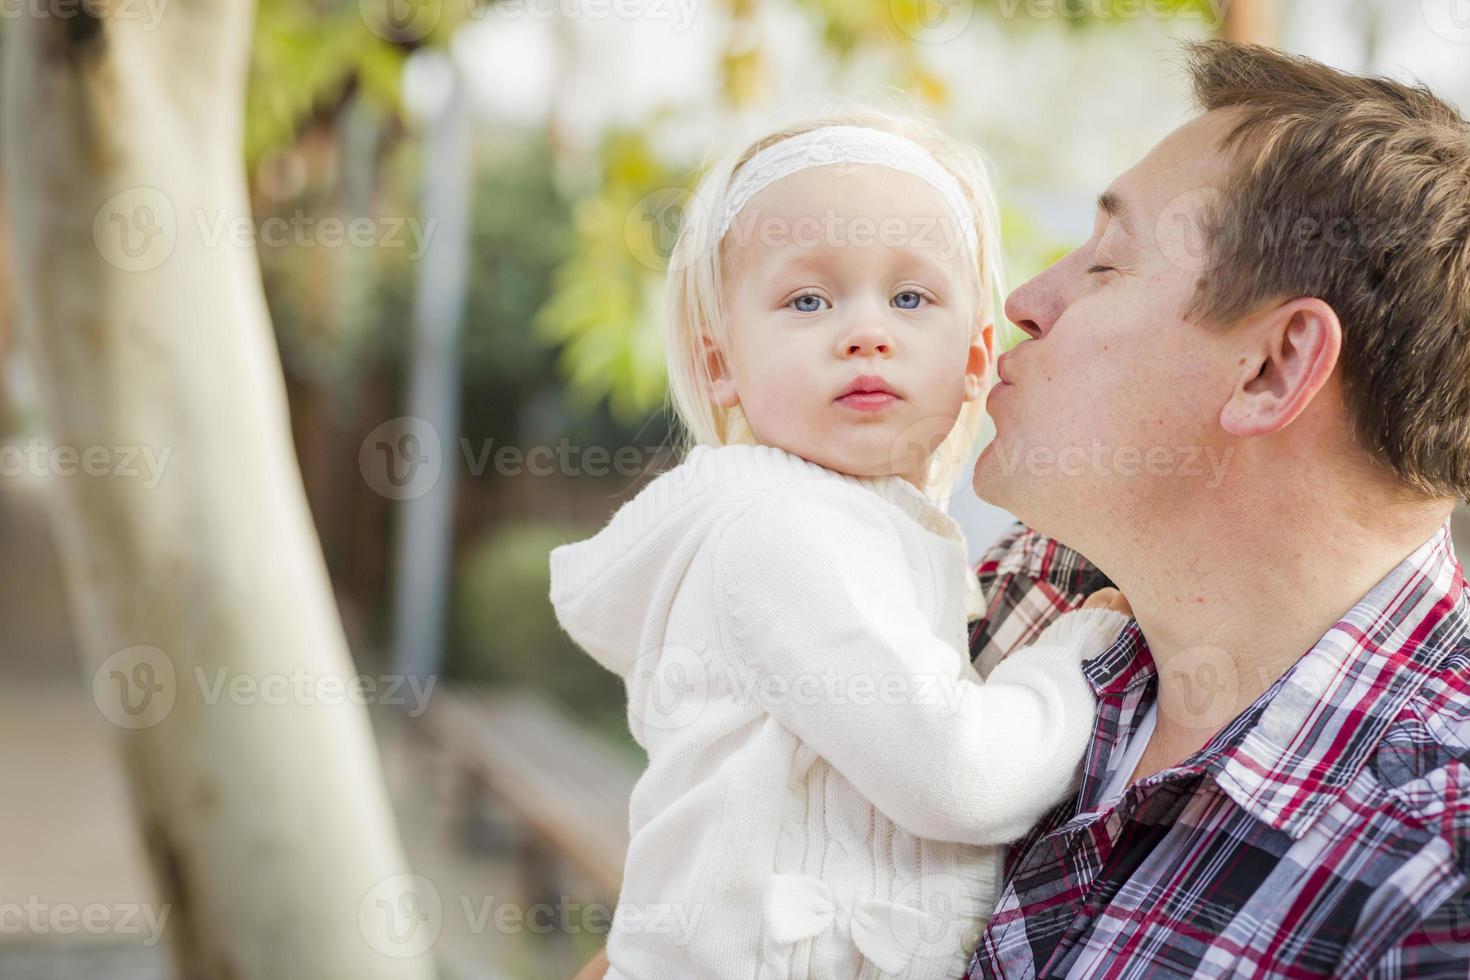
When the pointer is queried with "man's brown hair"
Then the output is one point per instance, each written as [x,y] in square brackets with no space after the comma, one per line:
[1355,191]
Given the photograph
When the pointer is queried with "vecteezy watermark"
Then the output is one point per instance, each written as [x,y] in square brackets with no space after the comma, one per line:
[135,687]
[404,458]
[659,233]
[662,231]
[413,20]
[299,686]
[1450,19]
[937,916]
[931,21]
[1201,688]
[1196,232]
[1097,459]
[36,457]
[403,915]
[937,233]
[138,687]
[401,459]
[567,917]
[565,458]
[137,229]
[932,448]
[303,230]
[1448,927]
[35,917]
[1184,227]
[670,686]
[150,12]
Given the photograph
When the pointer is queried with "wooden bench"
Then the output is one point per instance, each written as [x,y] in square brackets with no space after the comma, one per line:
[567,785]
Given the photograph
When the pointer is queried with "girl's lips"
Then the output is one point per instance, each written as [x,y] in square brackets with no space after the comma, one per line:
[868,401]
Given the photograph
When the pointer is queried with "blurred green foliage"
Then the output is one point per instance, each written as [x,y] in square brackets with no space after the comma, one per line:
[562,327]
[504,630]
[604,307]
[305,56]
[589,274]
[520,233]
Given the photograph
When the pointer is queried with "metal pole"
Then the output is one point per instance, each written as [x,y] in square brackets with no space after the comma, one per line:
[425,521]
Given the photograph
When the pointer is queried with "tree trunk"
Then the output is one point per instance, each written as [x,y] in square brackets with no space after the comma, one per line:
[195,574]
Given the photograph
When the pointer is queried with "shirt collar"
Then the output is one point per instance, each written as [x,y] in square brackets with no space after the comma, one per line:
[1124,668]
[1288,756]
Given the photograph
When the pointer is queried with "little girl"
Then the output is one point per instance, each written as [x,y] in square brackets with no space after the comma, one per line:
[828,777]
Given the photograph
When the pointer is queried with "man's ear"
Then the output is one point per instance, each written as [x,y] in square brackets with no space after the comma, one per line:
[1290,353]
[981,357]
[722,382]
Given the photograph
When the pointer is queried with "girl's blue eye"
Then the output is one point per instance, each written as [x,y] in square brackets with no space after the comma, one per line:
[908,300]
[808,303]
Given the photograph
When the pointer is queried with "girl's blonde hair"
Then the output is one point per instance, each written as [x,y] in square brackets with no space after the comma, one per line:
[694,298]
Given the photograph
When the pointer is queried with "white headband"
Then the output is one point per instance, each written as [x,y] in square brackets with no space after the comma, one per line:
[845,144]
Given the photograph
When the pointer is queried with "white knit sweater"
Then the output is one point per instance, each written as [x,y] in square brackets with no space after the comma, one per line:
[827,775]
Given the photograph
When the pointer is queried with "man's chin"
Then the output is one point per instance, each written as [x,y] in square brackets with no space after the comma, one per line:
[1041,503]
[990,481]
[1012,490]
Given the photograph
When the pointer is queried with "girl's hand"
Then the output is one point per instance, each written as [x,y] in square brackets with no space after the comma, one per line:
[1109,599]
[595,968]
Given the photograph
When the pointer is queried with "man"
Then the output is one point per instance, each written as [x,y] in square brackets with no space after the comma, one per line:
[1247,400]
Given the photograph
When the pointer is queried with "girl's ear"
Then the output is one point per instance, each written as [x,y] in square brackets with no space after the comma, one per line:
[722,382]
[977,364]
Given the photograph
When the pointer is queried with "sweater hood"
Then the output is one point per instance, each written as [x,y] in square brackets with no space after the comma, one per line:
[612,592]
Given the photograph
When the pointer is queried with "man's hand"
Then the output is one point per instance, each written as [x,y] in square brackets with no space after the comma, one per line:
[1109,599]
[595,969]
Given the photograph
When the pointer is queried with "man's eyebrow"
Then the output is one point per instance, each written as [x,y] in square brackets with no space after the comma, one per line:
[1115,207]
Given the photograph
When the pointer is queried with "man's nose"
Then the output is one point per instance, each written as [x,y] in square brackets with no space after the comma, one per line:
[1035,305]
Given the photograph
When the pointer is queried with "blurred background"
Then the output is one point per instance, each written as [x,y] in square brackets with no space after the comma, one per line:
[459,210]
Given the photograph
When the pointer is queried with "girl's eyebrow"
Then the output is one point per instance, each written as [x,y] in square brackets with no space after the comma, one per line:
[924,259]
[826,257]
[802,257]
[780,258]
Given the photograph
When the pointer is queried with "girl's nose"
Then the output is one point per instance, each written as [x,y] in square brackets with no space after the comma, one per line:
[867,336]
[867,346]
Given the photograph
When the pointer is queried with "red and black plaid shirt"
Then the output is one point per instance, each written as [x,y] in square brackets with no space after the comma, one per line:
[1324,832]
